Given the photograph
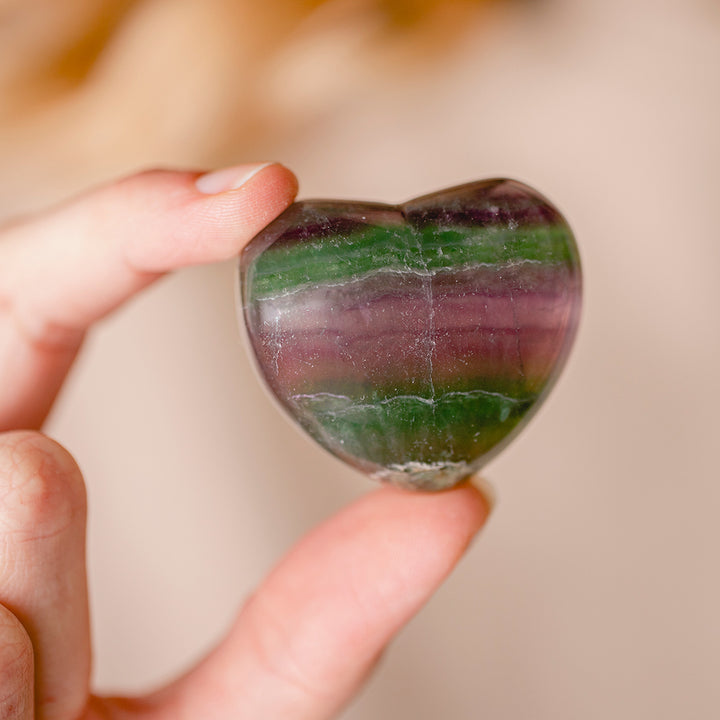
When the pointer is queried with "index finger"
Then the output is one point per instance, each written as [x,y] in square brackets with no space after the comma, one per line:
[65,269]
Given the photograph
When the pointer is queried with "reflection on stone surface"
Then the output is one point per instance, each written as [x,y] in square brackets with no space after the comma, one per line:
[413,341]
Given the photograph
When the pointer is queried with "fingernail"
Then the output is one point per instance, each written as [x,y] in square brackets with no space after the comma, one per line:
[487,490]
[232,178]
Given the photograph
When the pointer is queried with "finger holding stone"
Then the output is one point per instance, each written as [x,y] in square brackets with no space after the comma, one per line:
[42,567]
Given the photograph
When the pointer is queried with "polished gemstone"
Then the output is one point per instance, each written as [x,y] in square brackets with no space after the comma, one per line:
[413,341]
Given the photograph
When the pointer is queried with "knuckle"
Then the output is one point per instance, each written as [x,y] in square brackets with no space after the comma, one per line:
[279,651]
[41,488]
[16,661]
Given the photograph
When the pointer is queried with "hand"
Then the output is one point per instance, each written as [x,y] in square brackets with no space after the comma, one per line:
[303,644]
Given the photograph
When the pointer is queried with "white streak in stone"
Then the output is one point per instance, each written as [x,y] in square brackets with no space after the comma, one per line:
[351,404]
[427,283]
[314,396]
[277,345]
[424,273]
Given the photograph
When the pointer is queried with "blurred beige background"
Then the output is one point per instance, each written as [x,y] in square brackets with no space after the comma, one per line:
[594,590]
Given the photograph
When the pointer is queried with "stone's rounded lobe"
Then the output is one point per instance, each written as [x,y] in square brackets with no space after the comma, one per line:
[413,341]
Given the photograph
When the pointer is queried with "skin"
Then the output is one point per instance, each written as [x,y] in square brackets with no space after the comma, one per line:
[303,644]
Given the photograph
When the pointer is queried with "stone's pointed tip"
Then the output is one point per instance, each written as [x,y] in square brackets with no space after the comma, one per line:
[427,476]
[414,346]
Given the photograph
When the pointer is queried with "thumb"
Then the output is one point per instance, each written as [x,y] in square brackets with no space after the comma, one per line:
[308,638]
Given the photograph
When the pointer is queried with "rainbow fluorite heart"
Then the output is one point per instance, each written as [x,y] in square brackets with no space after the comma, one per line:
[413,341]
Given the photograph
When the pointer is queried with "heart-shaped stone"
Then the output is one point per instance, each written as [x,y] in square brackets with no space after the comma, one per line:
[413,341]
